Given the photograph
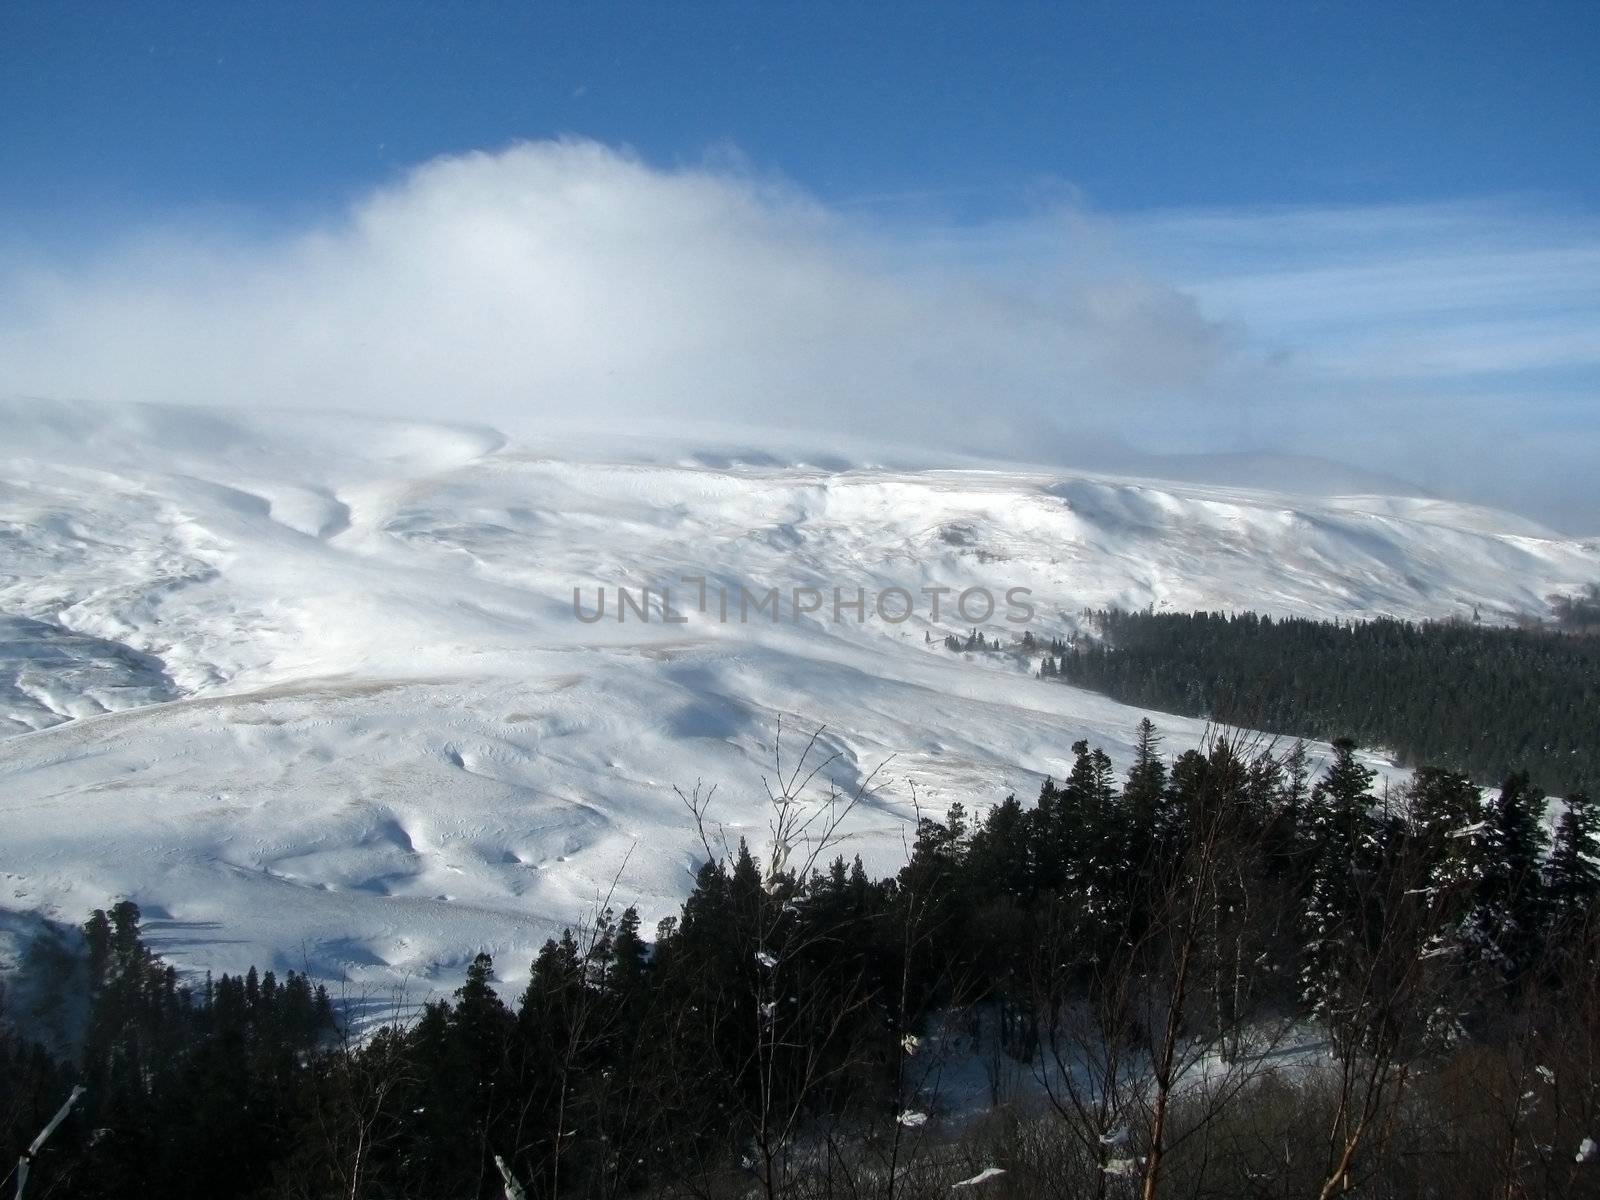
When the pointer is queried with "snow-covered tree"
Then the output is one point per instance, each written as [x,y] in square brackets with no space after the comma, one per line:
[1336,834]
[1572,874]
[1508,909]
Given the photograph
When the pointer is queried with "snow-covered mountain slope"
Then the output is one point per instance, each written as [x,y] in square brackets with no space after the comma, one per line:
[314,693]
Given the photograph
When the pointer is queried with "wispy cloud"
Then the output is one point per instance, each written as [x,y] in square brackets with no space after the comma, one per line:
[569,280]
[1322,275]
[1456,343]
[562,278]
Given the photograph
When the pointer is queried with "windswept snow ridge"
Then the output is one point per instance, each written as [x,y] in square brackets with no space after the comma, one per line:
[314,694]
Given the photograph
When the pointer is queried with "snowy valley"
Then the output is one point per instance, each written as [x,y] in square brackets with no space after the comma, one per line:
[312,690]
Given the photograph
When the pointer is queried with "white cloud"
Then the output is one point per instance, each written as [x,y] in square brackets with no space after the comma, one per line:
[1351,286]
[1454,344]
[569,280]
[565,278]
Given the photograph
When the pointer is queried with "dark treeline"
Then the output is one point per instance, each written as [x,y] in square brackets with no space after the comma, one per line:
[183,1083]
[1108,941]
[973,641]
[1481,700]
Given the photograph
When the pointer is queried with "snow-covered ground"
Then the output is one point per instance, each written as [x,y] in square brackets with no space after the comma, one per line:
[312,690]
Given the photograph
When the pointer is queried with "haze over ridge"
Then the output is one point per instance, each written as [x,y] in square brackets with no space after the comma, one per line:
[569,281]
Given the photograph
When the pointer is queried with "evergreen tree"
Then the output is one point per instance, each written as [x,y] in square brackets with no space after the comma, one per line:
[1508,907]
[629,957]
[1336,835]
[1446,832]
[1144,793]
[1296,782]
[1572,874]
[1445,819]
[479,1037]
[1102,867]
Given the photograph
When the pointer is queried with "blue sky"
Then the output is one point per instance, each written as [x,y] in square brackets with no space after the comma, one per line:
[1367,231]
[146,106]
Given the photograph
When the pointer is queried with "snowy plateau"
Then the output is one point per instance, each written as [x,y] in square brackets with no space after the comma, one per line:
[311,689]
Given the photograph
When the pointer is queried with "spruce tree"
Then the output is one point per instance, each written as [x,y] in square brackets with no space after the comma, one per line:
[1296,782]
[1336,834]
[1446,834]
[1144,793]
[629,957]
[1508,909]
[1572,874]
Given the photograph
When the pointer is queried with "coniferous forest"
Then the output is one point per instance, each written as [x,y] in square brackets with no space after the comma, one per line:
[1481,700]
[1218,975]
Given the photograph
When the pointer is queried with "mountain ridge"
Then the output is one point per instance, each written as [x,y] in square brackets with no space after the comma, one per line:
[393,743]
